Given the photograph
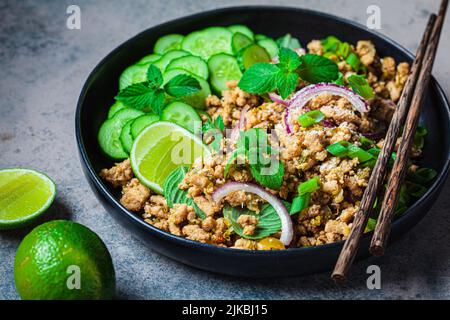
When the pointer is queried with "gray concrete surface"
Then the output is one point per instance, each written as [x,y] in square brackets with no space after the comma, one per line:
[43,67]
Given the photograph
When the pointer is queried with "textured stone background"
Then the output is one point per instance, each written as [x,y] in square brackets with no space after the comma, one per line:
[43,67]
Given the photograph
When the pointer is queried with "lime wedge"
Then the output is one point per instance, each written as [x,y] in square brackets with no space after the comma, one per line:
[24,195]
[160,148]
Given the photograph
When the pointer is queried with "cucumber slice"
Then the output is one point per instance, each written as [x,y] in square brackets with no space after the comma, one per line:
[193,64]
[242,29]
[259,37]
[270,46]
[183,115]
[150,58]
[168,43]
[116,107]
[141,123]
[207,42]
[251,55]
[222,68]
[240,41]
[126,138]
[109,133]
[198,99]
[168,57]
[134,74]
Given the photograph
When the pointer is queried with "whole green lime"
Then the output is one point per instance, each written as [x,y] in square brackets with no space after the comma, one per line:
[63,260]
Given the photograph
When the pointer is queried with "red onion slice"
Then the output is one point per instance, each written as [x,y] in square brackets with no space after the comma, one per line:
[287,230]
[302,97]
[240,125]
[276,98]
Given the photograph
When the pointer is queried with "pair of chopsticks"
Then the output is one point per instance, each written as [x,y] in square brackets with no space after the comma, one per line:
[408,109]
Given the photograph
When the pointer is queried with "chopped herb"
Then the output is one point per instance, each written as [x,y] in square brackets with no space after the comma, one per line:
[305,190]
[345,149]
[422,175]
[309,186]
[265,166]
[174,195]
[268,221]
[360,86]
[310,118]
[317,69]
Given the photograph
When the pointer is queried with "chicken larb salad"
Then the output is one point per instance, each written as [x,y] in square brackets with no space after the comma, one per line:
[286,137]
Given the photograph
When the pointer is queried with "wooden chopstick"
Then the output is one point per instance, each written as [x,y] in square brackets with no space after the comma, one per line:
[351,245]
[382,229]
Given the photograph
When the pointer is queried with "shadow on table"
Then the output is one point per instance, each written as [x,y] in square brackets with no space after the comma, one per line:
[412,267]
[57,211]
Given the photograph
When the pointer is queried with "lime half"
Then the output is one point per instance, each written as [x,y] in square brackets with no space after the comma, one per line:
[24,195]
[162,147]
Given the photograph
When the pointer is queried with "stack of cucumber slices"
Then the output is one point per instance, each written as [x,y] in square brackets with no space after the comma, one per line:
[213,56]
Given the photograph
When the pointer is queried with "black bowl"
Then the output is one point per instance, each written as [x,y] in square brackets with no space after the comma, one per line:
[102,85]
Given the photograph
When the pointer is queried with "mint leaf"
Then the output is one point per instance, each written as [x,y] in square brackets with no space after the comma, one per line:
[268,221]
[265,167]
[215,130]
[174,195]
[154,77]
[138,96]
[259,78]
[218,123]
[286,83]
[269,176]
[316,69]
[182,85]
[289,61]
[233,156]
[360,86]
[158,101]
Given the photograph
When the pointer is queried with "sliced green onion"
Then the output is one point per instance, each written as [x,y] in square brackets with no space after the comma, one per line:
[416,190]
[376,152]
[345,149]
[353,61]
[366,143]
[309,186]
[419,137]
[422,131]
[371,223]
[419,141]
[300,203]
[331,43]
[310,118]
[339,149]
[423,175]
[357,152]
[344,50]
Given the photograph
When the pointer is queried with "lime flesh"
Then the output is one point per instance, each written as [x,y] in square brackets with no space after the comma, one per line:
[161,148]
[24,195]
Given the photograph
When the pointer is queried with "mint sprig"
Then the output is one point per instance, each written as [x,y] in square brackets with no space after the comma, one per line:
[151,94]
[266,77]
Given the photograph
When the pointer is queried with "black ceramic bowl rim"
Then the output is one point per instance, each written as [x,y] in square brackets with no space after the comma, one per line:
[440,179]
